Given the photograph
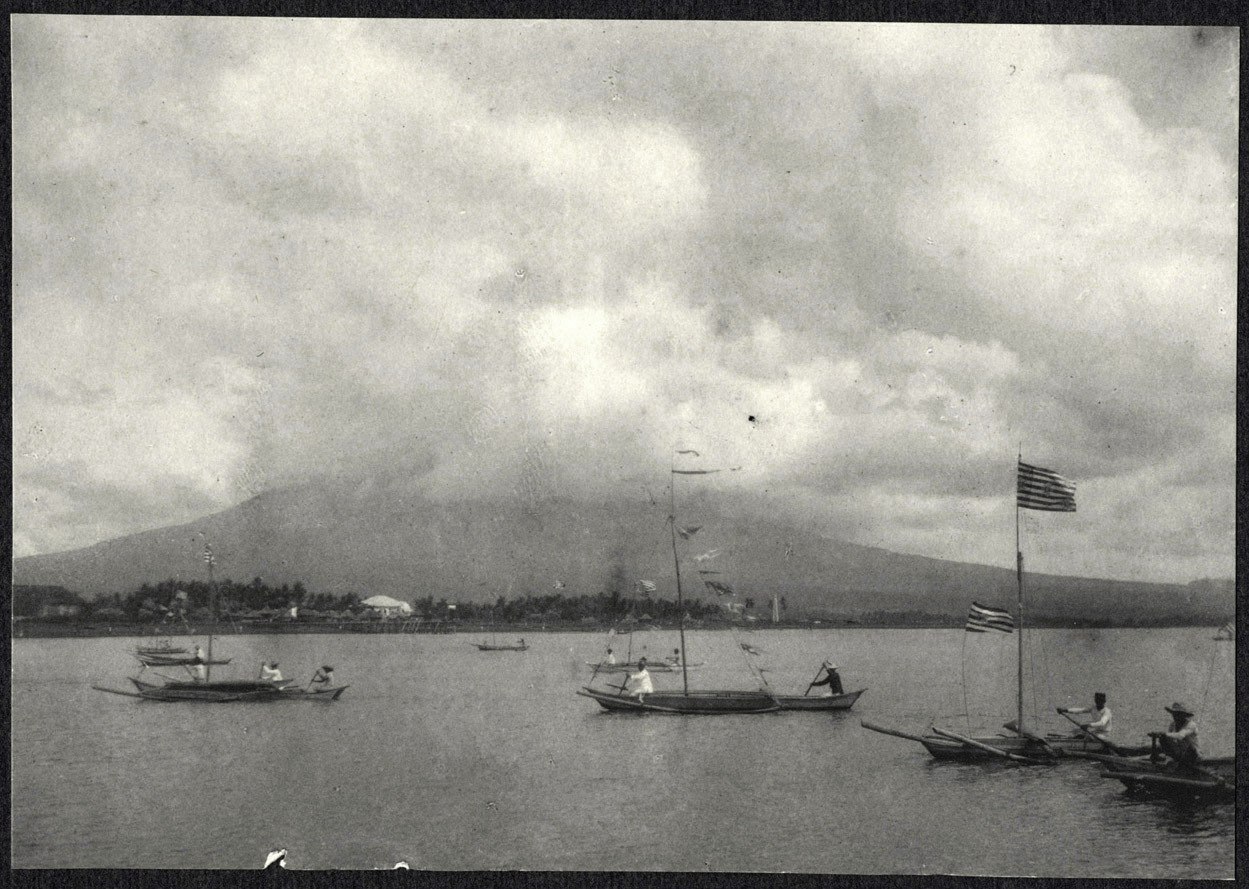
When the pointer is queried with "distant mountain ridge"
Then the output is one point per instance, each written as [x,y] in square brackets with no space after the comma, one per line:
[368,537]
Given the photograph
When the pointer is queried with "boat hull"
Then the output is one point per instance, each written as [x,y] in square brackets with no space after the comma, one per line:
[484,647]
[692,703]
[150,660]
[1213,780]
[842,701]
[232,691]
[947,749]
[660,667]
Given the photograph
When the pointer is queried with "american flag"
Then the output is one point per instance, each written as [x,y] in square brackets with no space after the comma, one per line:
[1044,489]
[982,618]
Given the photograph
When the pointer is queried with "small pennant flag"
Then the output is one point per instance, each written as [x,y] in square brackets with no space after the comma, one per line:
[707,556]
[1043,489]
[750,649]
[687,533]
[720,589]
[646,586]
[982,618]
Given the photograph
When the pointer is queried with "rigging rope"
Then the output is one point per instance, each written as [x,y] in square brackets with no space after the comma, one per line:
[966,713]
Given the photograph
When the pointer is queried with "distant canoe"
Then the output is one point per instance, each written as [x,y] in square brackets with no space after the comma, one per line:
[228,691]
[1213,779]
[154,660]
[485,646]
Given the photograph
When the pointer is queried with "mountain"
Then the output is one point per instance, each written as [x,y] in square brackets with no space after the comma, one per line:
[370,537]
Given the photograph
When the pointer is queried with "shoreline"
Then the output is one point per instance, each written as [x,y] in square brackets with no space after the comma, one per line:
[35,629]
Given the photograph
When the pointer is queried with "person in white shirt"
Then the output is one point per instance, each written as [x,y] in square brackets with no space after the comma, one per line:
[271,672]
[610,659]
[199,669]
[1100,723]
[639,683]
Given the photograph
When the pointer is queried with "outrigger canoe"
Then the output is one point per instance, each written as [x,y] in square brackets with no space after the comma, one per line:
[843,701]
[161,660]
[1211,780]
[694,702]
[486,646]
[226,691]
[631,666]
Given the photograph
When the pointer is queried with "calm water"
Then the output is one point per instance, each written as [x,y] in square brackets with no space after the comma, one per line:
[450,758]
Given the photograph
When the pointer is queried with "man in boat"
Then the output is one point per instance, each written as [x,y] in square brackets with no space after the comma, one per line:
[1180,742]
[271,672]
[832,679]
[323,676]
[1100,723]
[610,659]
[639,683]
[199,669]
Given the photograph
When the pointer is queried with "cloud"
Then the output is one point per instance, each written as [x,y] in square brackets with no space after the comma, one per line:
[530,257]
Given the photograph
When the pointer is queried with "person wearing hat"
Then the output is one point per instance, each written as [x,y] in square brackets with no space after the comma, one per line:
[323,676]
[1100,723]
[639,683]
[271,672]
[1180,742]
[832,679]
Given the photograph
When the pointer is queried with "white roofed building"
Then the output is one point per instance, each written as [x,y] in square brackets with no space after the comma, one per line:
[387,607]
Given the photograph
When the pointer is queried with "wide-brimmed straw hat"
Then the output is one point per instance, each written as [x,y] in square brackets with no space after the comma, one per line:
[1178,708]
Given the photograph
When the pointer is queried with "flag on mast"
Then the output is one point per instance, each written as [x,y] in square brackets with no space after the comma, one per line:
[982,618]
[1044,489]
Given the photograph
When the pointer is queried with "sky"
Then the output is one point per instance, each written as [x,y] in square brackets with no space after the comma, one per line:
[868,264]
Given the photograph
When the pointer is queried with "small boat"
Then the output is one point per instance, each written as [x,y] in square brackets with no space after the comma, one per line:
[487,646]
[226,691]
[1226,633]
[165,647]
[687,702]
[1210,781]
[154,660]
[843,701]
[631,666]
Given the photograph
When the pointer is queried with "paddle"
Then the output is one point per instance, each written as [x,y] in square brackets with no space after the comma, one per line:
[817,676]
[970,742]
[1014,727]
[1117,751]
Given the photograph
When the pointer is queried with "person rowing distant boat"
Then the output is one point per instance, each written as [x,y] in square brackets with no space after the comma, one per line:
[323,676]
[832,679]
[610,659]
[271,672]
[675,658]
[1100,724]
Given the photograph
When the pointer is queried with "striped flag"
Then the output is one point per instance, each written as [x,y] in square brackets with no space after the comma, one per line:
[1042,489]
[982,618]
[646,586]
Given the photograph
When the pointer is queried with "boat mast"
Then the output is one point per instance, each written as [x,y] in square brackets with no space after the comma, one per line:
[672,523]
[1019,607]
[212,609]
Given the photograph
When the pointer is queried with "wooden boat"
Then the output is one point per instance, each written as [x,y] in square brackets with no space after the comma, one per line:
[226,691]
[487,646]
[153,660]
[843,701]
[631,666]
[1039,489]
[163,649]
[686,702]
[1212,780]
[207,690]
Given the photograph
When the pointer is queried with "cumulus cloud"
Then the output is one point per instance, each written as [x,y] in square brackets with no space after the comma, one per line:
[865,263]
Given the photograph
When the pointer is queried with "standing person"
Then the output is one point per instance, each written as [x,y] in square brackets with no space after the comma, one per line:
[639,683]
[1180,741]
[832,679]
[1100,723]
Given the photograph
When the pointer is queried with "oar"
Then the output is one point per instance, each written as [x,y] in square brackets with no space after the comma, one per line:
[1111,747]
[985,747]
[817,676]
[873,727]
[1014,727]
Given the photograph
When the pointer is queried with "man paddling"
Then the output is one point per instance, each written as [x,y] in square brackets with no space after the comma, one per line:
[832,679]
[1099,725]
